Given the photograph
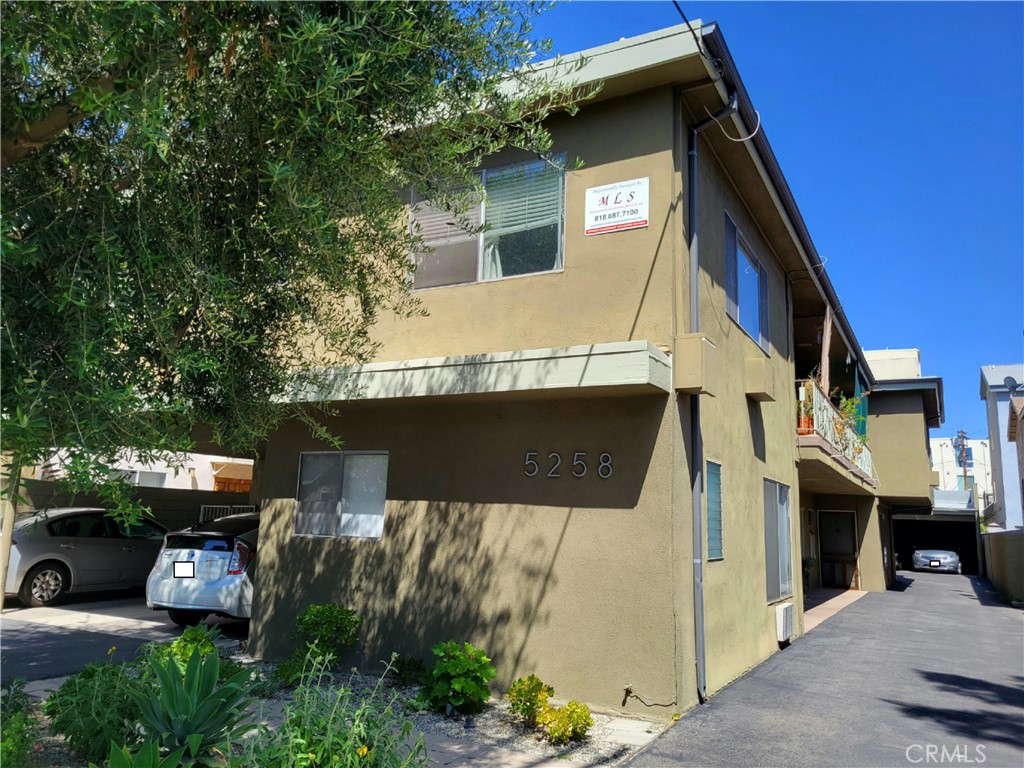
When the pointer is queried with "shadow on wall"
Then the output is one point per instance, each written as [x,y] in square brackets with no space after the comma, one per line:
[442,571]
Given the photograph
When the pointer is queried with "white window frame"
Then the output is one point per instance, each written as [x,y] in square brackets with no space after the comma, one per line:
[738,248]
[342,516]
[481,235]
[721,506]
[778,534]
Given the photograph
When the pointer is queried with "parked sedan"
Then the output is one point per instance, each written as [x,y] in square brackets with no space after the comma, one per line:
[78,549]
[208,568]
[936,560]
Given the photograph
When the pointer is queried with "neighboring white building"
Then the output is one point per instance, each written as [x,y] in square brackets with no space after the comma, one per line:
[998,383]
[197,472]
[947,460]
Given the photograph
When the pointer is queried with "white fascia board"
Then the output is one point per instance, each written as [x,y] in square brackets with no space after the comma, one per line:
[633,54]
[616,364]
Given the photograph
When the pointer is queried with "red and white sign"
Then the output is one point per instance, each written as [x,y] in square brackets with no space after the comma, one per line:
[617,207]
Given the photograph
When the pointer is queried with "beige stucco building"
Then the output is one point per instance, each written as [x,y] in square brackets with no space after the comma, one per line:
[584,456]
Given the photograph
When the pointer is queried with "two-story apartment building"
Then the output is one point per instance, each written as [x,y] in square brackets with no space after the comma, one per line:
[584,456]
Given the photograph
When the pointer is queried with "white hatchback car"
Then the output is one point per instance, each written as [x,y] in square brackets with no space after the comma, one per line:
[208,568]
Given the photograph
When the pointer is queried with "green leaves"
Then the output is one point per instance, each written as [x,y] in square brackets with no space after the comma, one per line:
[189,710]
[459,678]
[202,201]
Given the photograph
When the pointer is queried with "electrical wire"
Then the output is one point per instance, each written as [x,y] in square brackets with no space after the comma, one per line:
[715,62]
[730,138]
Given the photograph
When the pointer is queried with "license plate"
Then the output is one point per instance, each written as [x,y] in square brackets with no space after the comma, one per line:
[934,564]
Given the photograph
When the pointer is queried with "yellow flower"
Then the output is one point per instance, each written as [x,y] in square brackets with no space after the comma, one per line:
[363,751]
[111,651]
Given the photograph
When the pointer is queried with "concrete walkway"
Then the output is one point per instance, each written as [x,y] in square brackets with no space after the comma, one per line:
[930,675]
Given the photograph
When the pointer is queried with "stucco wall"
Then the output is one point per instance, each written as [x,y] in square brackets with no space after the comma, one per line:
[614,287]
[571,579]
[1004,556]
[898,439]
[752,441]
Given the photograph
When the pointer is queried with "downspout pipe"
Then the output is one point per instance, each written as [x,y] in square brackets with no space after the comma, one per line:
[696,441]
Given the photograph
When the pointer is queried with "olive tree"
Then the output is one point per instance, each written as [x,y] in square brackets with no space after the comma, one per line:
[203,203]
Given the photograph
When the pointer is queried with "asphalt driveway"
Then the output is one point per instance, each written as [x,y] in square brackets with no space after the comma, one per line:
[42,643]
[931,675]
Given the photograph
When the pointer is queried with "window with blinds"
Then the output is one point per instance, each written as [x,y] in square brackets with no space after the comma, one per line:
[516,229]
[713,476]
[341,493]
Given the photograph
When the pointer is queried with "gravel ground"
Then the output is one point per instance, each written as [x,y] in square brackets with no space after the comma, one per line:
[495,726]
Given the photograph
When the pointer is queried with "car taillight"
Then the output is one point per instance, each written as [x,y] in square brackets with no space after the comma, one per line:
[159,557]
[239,559]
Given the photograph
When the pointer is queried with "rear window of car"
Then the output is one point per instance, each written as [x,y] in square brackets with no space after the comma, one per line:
[206,543]
[229,525]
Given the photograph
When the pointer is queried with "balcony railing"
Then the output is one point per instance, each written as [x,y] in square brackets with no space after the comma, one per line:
[829,424]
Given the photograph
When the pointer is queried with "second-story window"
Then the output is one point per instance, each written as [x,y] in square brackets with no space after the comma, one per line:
[515,230]
[746,286]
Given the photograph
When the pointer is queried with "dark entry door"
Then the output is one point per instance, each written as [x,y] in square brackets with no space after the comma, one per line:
[838,536]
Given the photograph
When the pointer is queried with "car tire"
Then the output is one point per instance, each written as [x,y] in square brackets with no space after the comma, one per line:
[45,584]
[186,618]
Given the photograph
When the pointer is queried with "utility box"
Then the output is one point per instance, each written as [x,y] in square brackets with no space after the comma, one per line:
[695,365]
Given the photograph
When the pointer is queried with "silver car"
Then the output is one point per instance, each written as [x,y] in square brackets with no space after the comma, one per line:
[936,560]
[78,549]
[208,568]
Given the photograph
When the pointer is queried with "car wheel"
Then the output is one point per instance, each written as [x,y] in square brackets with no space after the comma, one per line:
[45,584]
[186,618]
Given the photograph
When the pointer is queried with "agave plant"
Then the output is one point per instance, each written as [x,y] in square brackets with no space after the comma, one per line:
[190,711]
[148,756]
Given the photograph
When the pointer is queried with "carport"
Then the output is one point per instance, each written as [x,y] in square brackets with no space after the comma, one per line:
[951,525]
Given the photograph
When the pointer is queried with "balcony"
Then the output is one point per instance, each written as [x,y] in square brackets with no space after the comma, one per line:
[839,459]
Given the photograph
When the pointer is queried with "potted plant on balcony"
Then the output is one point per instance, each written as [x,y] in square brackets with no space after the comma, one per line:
[805,415]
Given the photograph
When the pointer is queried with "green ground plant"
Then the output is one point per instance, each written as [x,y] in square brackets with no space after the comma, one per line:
[567,723]
[95,707]
[18,728]
[458,681]
[329,629]
[528,696]
[327,725]
[148,756]
[191,710]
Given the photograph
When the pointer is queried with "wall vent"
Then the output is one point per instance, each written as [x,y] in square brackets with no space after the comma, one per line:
[784,615]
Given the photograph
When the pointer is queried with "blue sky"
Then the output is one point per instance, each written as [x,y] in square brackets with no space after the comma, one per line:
[900,128]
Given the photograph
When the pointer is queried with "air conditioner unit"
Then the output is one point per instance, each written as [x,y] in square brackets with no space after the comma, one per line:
[784,614]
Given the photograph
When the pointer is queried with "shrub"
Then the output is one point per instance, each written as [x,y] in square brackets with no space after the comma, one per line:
[190,710]
[95,707]
[459,679]
[565,724]
[332,627]
[328,628]
[408,670]
[527,698]
[198,638]
[18,728]
[325,725]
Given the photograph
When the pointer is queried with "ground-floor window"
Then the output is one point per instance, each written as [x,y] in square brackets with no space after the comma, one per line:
[341,494]
[777,541]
